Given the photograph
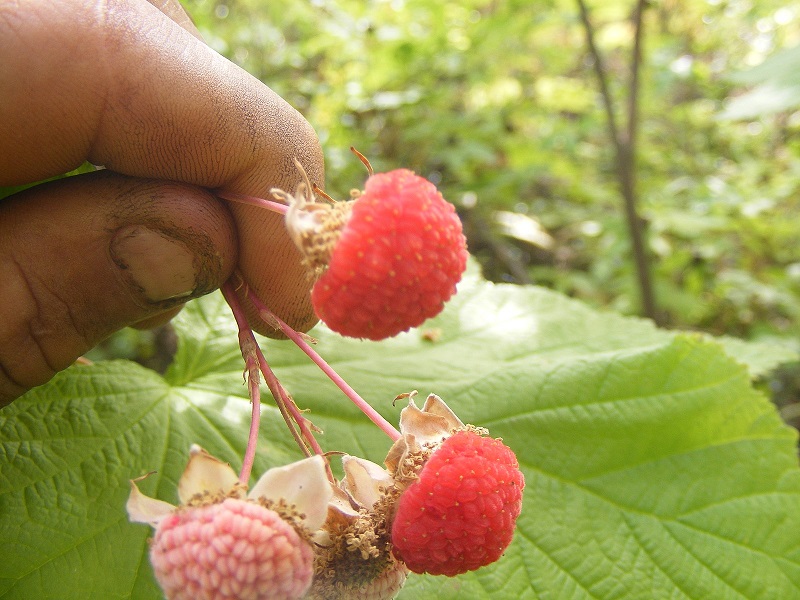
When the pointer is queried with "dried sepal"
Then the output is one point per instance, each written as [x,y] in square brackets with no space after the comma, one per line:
[353,558]
[422,430]
[144,509]
[314,227]
[302,485]
[300,491]
[364,480]
[430,424]
[205,476]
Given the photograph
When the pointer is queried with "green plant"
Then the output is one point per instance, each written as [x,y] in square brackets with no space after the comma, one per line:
[647,455]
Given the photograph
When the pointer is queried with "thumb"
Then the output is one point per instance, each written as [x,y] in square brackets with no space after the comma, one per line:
[85,256]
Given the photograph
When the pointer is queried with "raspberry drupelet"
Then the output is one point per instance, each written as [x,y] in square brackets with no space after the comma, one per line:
[386,261]
[460,492]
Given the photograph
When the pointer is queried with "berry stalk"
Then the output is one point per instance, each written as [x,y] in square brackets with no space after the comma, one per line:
[288,408]
[271,318]
[248,346]
[252,201]
[291,414]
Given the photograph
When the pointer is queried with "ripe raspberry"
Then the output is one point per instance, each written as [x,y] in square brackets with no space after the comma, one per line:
[390,259]
[235,549]
[460,513]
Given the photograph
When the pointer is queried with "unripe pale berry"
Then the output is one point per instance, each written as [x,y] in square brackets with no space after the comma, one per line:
[232,550]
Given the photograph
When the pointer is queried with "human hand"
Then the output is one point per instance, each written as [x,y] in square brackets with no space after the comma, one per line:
[121,84]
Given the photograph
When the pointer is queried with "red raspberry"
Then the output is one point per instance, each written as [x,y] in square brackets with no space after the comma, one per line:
[230,550]
[389,259]
[459,515]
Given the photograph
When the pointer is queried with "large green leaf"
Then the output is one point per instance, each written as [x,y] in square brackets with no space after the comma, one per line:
[653,468]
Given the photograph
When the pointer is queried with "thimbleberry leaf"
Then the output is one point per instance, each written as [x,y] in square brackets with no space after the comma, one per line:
[653,467]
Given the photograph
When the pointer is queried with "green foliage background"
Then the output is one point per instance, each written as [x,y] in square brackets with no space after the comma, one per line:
[497,102]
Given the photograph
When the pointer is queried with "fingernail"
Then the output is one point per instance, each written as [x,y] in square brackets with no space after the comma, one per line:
[161,267]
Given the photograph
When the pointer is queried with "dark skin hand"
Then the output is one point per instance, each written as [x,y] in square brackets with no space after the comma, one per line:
[128,85]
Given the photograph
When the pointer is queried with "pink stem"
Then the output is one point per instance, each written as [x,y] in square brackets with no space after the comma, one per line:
[248,345]
[293,335]
[255,424]
[288,409]
[278,395]
[282,396]
[285,402]
[252,201]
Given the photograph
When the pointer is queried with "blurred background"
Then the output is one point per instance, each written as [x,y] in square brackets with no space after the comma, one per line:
[643,157]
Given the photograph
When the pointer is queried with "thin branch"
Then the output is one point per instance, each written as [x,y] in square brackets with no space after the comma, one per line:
[602,77]
[636,63]
[292,414]
[628,170]
[625,147]
[255,362]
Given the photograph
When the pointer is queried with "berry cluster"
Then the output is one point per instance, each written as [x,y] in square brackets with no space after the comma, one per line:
[449,496]
[229,550]
[446,504]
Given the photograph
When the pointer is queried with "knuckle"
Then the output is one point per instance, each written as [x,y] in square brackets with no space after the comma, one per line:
[31,318]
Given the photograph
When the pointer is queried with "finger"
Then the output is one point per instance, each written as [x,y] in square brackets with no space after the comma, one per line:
[176,12]
[268,278]
[85,256]
[157,320]
[124,86]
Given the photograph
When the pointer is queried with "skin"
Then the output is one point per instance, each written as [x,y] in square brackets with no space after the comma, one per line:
[130,85]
